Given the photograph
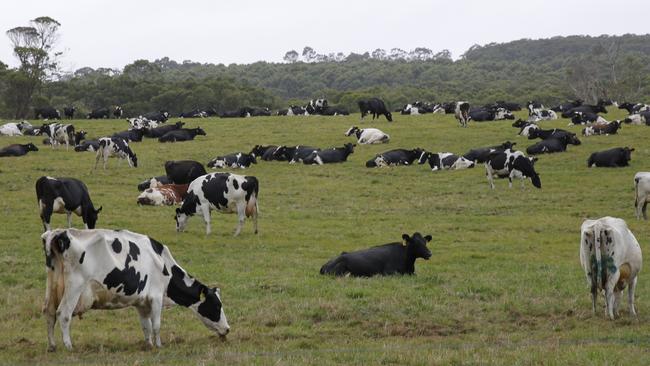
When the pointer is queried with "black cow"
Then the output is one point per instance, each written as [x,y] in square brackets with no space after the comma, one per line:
[17,149]
[117,112]
[99,113]
[133,135]
[258,112]
[557,133]
[612,158]
[387,259]
[195,113]
[183,171]
[549,145]
[68,112]
[162,130]
[563,107]
[266,152]
[88,145]
[334,111]
[231,114]
[181,134]
[481,154]
[374,106]
[159,180]
[481,114]
[65,195]
[46,113]
[331,155]
[234,160]
[511,164]
[293,154]
[585,108]
[395,157]
[160,116]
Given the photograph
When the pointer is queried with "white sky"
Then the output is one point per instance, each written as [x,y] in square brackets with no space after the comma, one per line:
[117,32]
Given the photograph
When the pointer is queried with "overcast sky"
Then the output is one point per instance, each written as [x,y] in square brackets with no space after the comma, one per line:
[117,32]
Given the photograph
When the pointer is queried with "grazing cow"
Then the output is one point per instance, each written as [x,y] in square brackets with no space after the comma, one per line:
[65,195]
[511,164]
[224,192]
[376,107]
[160,116]
[481,154]
[88,145]
[117,112]
[115,146]
[549,145]
[107,269]
[388,259]
[160,131]
[59,134]
[68,112]
[612,158]
[611,257]
[11,129]
[557,133]
[183,171]
[46,113]
[445,161]
[181,134]
[395,157]
[608,129]
[164,194]
[132,135]
[266,152]
[154,182]
[99,113]
[331,155]
[293,154]
[462,113]
[368,135]
[641,193]
[234,160]
[582,118]
[567,106]
[634,107]
[17,149]
[195,113]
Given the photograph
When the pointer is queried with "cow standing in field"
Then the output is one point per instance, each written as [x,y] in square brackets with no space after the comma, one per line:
[641,193]
[65,195]
[376,107]
[511,164]
[462,113]
[224,192]
[107,269]
[114,146]
[100,113]
[68,112]
[117,112]
[47,113]
[368,135]
[59,134]
[611,257]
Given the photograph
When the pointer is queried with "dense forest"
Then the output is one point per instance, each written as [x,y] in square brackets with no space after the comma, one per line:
[548,70]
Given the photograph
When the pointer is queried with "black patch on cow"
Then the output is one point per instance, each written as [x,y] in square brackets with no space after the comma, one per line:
[62,242]
[250,186]
[235,183]
[156,246]
[214,189]
[126,280]
[211,307]
[81,259]
[117,246]
[165,272]
[134,251]
[189,203]
[179,292]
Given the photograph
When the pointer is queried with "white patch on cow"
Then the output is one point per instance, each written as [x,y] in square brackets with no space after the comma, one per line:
[10,129]
[642,193]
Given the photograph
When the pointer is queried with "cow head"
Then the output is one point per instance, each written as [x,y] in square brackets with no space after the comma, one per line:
[349,147]
[30,147]
[520,123]
[416,245]
[187,209]
[352,130]
[210,311]
[133,159]
[199,131]
[463,163]
[628,153]
[507,145]
[389,116]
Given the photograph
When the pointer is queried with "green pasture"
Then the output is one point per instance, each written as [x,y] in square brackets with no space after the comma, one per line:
[504,284]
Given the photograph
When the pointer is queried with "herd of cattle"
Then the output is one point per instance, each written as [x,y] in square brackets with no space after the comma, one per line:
[106,269]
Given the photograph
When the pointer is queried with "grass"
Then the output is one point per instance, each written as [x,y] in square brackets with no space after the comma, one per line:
[504,285]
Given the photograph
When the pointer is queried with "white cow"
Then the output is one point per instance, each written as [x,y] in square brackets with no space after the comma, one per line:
[106,269]
[611,259]
[368,135]
[11,129]
[641,193]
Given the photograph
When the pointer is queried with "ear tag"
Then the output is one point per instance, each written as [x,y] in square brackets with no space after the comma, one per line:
[404,243]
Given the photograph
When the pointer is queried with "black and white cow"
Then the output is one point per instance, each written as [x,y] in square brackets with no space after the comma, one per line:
[612,158]
[195,113]
[115,146]
[316,106]
[140,123]
[525,127]
[634,107]
[132,135]
[160,131]
[481,154]
[223,192]
[266,152]
[59,133]
[17,149]
[388,259]
[582,118]
[376,107]
[181,134]
[334,110]
[563,107]
[293,154]
[293,111]
[88,145]
[330,155]
[160,116]
[542,115]
[183,171]
[557,133]
[534,105]
[599,129]
[68,112]
[117,112]
[47,113]
[511,164]
[585,108]
[368,135]
[395,157]
[99,113]
[549,145]
[445,161]
[65,195]
[234,160]
[78,137]
[498,114]
[107,269]
[461,111]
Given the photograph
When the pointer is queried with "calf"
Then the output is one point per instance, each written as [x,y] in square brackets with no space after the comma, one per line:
[376,107]
[445,160]
[368,135]
[395,157]
[182,134]
[234,160]
[115,146]
[266,152]
[462,113]
[481,154]
[641,193]
[162,130]
[511,164]
[163,194]
[388,259]
[331,155]
[611,258]
[65,195]
[224,192]
[183,171]
[17,149]
[612,158]
[107,269]
[607,129]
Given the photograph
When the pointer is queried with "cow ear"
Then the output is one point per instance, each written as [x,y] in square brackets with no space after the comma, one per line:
[405,239]
[99,209]
[428,238]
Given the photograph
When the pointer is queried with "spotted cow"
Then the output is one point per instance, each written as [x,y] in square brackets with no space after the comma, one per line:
[511,164]
[115,146]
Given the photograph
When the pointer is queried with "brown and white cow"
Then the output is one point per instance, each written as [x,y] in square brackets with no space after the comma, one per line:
[163,195]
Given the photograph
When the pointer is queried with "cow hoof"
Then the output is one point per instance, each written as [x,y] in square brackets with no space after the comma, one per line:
[51,348]
[147,346]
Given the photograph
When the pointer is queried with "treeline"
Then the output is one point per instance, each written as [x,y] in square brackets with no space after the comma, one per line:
[548,70]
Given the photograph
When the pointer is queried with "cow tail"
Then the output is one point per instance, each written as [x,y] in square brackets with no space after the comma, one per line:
[252,208]
[600,279]
[636,192]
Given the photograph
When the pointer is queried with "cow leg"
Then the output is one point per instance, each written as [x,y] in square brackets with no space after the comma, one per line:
[156,311]
[594,297]
[617,301]
[490,178]
[50,316]
[241,213]
[97,156]
[206,217]
[73,288]
[69,214]
[255,217]
[145,322]
[46,215]
[630,296]
[645,205]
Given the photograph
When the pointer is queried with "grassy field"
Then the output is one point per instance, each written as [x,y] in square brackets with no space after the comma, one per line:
[504,284]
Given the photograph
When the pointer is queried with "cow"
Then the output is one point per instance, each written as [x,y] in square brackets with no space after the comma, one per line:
[68,112]
[235,160]
[183,171]
[498,114]
[17,149]
[563,107]
[163,194]
[632,108]
[293,111]
[78,137]
[607,129]
[293,154]
[140,123]
[117,112]
[195,113]
[557,133]
[181,134]
[260,112]
[331,155]
[585,108]
[334,110]
[374,106]
[160,116]
[46,113]
[511,164]
[445,161]
[641,193]
[481,154]
[11,129]
[542,115]
[635,119]
[549,145]
[98,113]
[462,113]
[611,257]
[59,133]
[368,135]
[582,118]
[266,153]
[510,106]
[395,157]
[234,114]
[223,192]
[112,269]
[612,158]
[533,105]
[410,109]
[132,135]
[160,131]
[525,127]
[115,146]
[154,182]
[388,259]
[65,195]
[88,145]
[316,106]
